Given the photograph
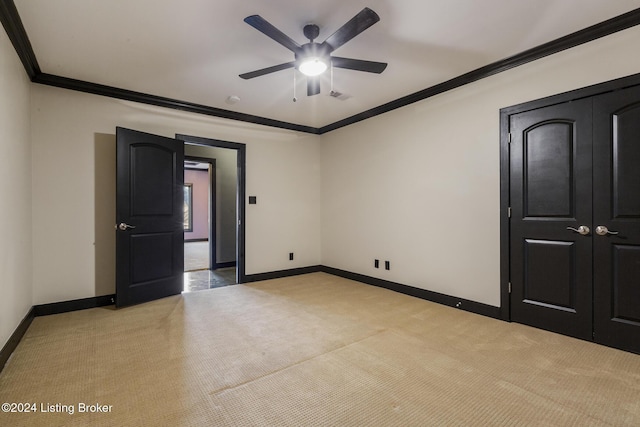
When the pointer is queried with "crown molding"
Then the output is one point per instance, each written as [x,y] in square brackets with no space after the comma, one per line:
[15,30]
[18,36]
[602,29]
[144,98]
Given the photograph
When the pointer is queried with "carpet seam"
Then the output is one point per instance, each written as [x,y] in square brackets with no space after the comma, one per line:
[300,362]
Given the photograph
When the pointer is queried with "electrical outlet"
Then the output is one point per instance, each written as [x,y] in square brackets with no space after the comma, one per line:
[387,265]
[290,256]
[376,263]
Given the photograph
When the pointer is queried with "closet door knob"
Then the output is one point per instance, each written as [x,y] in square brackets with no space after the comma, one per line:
[583,230]
[602,230]
[123,227]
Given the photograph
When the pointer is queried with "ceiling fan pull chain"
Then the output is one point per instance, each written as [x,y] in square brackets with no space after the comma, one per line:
[294,85]
[331,76]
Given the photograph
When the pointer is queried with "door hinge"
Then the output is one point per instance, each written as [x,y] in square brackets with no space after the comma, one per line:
[509,138]
[509,212]
[509,287]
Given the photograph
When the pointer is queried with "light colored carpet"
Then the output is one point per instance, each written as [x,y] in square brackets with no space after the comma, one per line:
[196,256]
[313,350]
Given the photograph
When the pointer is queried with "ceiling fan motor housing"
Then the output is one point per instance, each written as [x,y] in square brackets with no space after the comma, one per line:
[311,31]
[312,50]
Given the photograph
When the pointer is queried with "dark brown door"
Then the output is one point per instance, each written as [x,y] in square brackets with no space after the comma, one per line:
[616,172]
[149,215]
[551,194]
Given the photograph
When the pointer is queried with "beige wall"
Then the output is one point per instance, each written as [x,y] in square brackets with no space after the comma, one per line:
[15,191]
[74,171]
[419,186]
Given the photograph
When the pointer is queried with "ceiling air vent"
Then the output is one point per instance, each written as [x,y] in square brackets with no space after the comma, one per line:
[341,96]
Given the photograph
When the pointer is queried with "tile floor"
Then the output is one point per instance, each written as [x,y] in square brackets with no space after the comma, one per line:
[209,279]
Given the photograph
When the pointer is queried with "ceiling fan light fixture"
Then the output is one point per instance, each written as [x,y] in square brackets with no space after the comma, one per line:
[312,59]
[313,66]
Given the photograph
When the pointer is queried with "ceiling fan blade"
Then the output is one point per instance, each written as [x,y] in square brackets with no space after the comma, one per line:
[313,86]
[358,64]
[268,70]
[363,20]
[261,24]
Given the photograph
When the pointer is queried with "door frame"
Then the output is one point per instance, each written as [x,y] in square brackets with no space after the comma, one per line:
[211,205]
[505,172]
[240,195]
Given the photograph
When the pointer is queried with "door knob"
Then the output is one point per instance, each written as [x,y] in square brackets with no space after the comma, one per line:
[602,230]
[123,227]
[583,229]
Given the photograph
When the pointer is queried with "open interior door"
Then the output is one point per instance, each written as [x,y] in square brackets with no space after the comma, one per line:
[150,217]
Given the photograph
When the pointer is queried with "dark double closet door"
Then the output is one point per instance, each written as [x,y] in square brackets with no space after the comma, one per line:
[575,218]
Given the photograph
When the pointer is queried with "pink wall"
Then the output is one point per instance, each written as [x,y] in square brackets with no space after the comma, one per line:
[200,181]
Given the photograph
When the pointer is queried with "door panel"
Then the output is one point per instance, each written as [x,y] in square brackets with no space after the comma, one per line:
[549,169]
[150,253]
[152,184]
[624,286]
[153,255]
[551,190]
[549,274]
[616,192]
[625,140]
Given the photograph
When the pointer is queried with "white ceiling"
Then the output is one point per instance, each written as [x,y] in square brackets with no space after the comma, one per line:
[193,50]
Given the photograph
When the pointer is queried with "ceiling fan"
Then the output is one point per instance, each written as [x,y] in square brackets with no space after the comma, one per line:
[312,58]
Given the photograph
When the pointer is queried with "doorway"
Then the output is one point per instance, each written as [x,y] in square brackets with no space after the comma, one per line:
[214,213]
[573,216]
[199,213]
